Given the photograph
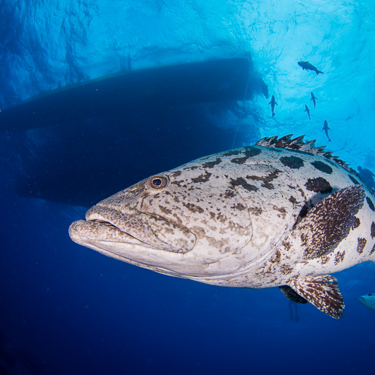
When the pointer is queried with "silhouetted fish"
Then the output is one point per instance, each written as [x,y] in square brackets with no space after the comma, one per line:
[308,111]
[273,103]
[326,128]
[313,98]
[305,65]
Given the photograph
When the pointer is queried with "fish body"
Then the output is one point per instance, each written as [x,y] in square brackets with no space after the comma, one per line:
[313,98]
[368,300]
[280,213]
[308,111]
[326,128]
[273,103]
[305,65]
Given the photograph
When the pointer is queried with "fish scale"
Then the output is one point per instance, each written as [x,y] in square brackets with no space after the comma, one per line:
[282,213]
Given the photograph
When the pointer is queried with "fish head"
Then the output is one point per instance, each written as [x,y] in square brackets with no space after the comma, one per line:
[182,222]
[368,300]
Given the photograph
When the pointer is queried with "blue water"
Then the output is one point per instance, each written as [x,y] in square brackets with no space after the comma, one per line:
[65,309]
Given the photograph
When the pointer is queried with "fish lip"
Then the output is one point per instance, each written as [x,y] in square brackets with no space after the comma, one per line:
[92,216]
[91,231]
[106,223]
[141,228]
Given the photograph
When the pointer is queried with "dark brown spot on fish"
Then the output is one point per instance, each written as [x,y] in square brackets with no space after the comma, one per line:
[233,152]
[292,200]
[355,182]
[323,167]
[211,164]
[361,245]
[292,162]
[252,151]
[318,185]
[266,180]
[255,211]
[222,218]
[246,152]
[242,182]
[199,232]
[356,223]
[285,269]
[239,207]
[202,178]
[268,186]
[372,250]
[165,210]
[239,160]
[372,230]
[176,173]
[229,193]
[282,210]
[287,245]
[324,259]
[339,257]
[193,208]
[178,182]
[371,205]
[276,258]
[175,198]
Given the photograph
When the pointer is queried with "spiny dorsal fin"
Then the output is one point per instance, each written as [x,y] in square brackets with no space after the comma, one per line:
[323,292]
[329,222]
[297,144]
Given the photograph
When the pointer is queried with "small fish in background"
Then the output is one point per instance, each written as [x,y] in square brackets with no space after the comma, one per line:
[368,300]
[308,111]
[273,103]
[326,128]
[314,99]
[305,65]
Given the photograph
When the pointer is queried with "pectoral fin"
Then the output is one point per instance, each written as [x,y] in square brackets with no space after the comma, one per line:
[321,291]
[329,222]
[291,294]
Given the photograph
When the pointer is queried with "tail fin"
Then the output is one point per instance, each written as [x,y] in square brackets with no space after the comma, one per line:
[318,71]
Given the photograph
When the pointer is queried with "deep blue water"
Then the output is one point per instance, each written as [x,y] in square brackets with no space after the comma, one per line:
[66,309]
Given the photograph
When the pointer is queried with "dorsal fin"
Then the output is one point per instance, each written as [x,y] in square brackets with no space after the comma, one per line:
[297,144]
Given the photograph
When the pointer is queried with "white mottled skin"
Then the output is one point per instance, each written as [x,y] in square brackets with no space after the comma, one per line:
[217,222]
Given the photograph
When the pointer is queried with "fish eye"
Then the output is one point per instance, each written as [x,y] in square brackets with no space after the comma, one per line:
[158,182]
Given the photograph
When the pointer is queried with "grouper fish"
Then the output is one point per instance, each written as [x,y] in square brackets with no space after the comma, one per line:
[282,213]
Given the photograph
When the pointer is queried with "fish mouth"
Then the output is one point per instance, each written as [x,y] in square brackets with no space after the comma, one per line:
[362,300]
[105,226]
